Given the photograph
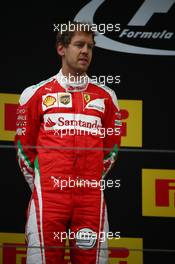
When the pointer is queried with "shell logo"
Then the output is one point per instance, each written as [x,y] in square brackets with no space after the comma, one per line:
[49,100]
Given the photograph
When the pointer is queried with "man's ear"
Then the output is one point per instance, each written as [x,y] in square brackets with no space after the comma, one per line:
[60,49]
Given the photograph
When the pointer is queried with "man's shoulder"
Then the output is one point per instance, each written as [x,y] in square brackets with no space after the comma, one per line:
[105,89]
[30,91]
[101,87]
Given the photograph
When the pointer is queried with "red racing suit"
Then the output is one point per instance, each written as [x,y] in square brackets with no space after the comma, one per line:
[67,138]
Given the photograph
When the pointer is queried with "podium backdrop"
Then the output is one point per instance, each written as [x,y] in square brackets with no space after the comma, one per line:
[141,55]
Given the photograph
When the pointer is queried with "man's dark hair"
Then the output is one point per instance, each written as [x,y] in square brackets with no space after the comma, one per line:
[65,35]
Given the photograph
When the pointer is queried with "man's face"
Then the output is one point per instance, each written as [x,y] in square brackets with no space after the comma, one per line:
[78,54]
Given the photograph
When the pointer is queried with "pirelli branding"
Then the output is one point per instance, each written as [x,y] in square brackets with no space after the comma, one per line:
[158,192]
[121,251]
[126,251]
[12,248]
[131,115]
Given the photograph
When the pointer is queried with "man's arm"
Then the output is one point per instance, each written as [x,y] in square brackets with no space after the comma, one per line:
[112,124]
[27,128]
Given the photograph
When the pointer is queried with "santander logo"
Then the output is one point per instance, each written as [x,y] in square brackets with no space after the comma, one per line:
[71,121]
[50,123]
[141,18]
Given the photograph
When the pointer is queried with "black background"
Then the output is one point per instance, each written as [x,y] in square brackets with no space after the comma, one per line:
[28,56]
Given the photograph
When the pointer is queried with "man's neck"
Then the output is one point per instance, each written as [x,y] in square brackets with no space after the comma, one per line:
[72,75]
[71,84]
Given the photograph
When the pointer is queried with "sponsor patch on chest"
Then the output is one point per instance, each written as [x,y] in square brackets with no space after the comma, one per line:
[52,100]
[96,104]
[65,99]
[49,101]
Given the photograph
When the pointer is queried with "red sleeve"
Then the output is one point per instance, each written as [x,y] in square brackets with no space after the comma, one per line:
[27,129]
[112,124]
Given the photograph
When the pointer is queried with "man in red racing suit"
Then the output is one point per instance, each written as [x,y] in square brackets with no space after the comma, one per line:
[67,139]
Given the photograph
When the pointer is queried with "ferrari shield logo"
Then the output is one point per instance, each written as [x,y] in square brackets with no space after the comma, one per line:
[87,97]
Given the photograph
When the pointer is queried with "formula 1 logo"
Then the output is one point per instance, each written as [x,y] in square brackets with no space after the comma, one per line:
[148,9]
[140,19]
